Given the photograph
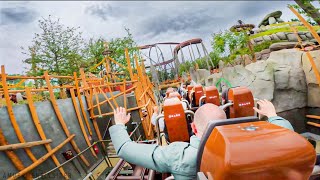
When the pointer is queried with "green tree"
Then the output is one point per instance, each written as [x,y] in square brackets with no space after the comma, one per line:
[56,49]
[304,7]
[229,44]
[94,54]
[117,47]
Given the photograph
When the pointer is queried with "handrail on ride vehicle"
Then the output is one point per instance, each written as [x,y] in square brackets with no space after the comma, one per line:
[104,153]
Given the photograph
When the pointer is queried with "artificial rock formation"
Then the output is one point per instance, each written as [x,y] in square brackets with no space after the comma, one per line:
[313,84]
[271,18]
[285,78]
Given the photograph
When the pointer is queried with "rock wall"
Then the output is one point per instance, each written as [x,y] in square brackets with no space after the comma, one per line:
[285,78]
[284,36]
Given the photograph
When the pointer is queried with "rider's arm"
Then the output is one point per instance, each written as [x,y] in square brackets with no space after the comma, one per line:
[146,155]
[277,120]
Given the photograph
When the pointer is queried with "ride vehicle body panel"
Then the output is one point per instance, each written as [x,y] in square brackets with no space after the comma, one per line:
[256,150]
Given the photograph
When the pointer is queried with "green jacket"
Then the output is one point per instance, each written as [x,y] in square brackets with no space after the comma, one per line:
[178,158]
[277,120]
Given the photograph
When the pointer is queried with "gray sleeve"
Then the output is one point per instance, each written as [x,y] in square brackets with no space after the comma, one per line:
[146,155]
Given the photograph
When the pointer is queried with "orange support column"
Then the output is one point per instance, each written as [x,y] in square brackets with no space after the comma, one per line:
[11,114]
[40,130]
[60,118]
[13,157]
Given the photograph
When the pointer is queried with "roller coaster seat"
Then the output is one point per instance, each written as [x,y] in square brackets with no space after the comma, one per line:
[212,95]
[245,148]
[195,95]
[177,126]
[243,102]
[174,94]
[189,89]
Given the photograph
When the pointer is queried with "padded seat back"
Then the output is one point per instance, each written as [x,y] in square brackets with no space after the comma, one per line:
[254,150]
[243,102]
[175,120]
[212,95]
[189,89]
[198,93]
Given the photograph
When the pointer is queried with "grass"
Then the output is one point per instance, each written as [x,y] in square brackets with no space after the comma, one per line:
[283,29]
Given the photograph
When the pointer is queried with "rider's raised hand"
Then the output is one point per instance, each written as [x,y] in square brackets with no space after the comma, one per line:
[266,108]
[120,116]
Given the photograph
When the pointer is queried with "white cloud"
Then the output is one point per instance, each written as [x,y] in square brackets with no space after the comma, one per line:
[149,22]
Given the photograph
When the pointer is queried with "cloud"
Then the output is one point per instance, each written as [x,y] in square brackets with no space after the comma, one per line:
[149,21]
[103,11]
[16,15]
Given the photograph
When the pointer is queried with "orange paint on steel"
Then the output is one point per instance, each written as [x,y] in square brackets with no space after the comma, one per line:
[257,150]
[128,63]
[107,99]
[73,98]
[144,93]
[117,95]
[128,110]
[81,103]
[11,114]
[124,95]
[13,157]
[112,97]
[312,31]
[314,67]
[147,126]
[114,61]
[97,100]
[313,124]
[60,118]
[11,147]
[42,159]
[313,116]
[40,130]
[89,102]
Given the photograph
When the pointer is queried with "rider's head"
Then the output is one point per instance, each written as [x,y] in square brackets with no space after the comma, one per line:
[205,114]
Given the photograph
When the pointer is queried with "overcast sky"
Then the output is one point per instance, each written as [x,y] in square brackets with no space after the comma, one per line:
[149,22]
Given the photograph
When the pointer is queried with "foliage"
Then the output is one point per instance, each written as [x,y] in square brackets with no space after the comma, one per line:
[56,49]
[94,54]
[265,45]
[117,47]
[283,29]
[303,5]
[230,44]
[201,62]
